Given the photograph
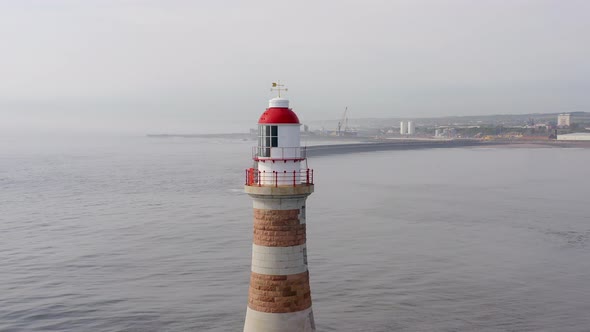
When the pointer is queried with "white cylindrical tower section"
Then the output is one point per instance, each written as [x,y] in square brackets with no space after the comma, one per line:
[411,128]
[403,128]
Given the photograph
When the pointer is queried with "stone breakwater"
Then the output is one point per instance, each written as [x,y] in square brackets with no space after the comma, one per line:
[322,150]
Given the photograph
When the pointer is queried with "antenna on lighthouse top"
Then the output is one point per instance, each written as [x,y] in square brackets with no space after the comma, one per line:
[277,86]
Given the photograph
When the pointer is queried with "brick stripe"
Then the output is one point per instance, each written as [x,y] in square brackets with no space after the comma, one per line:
[278,228]
[279,294]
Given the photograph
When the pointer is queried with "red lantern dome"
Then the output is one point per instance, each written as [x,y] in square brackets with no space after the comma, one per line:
[278,115]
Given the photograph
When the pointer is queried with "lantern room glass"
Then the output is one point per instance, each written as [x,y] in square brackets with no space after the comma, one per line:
[268,137]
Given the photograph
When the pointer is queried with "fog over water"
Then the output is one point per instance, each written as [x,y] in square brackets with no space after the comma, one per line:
[123,66]
[140,234]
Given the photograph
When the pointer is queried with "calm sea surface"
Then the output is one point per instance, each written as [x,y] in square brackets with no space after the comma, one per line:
[140,234]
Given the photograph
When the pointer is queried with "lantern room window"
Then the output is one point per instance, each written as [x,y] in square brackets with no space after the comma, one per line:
[268,137]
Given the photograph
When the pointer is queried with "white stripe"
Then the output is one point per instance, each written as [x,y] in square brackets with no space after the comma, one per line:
[279,204]
[300,321]
[279,250]
[278,260]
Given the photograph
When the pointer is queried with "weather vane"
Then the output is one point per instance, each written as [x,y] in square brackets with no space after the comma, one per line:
[277,86]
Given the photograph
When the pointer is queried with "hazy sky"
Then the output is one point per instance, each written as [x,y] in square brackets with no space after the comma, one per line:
[188,66]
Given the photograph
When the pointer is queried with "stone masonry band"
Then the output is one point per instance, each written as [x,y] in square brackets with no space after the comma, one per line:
[278,228]
[279,294]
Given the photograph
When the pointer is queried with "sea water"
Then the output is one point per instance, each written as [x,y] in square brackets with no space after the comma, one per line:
[153,234]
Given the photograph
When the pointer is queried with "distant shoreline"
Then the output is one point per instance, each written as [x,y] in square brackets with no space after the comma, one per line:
[322,150]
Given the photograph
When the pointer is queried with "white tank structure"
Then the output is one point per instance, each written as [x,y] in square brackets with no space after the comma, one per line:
[411,128]
[279,294]
[403,128]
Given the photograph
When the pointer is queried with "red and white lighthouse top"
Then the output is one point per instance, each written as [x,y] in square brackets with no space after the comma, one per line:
[278,155]
[278,112]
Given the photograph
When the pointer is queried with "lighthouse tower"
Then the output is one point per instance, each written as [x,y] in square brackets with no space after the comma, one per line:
[279,295]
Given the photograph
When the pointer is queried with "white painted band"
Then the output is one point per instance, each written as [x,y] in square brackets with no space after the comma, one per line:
[300,321]
[279,204]
[279,260]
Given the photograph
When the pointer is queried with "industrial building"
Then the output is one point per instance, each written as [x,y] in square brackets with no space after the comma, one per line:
[411,128]
[574,137]
[403,128]
[564,120]
[407,128]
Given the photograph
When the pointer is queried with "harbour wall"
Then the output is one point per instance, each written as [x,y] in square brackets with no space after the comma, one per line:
[323,150]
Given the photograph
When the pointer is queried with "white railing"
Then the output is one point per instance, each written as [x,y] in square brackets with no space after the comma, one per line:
[283,153]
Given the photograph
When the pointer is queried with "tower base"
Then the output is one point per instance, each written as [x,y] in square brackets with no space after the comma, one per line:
[300,321]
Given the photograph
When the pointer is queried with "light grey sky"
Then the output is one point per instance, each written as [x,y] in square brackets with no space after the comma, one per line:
[191,66]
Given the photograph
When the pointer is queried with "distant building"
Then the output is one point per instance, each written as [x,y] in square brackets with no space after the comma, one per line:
[403,128]
[411,128]
[407,128]
[574,137]
[564,120]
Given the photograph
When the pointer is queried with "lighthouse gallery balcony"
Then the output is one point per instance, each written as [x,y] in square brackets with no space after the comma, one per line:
[257,178]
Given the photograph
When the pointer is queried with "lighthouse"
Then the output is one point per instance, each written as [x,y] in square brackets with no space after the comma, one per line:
[279,298]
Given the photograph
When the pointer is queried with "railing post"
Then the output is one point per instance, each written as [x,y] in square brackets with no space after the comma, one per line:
[294,184]
[312,176]
[307,176]
[246,177]
[276,178]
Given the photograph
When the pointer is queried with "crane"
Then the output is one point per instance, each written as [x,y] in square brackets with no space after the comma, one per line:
[343,123]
